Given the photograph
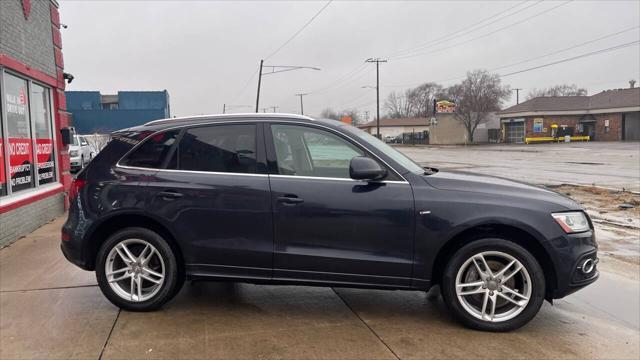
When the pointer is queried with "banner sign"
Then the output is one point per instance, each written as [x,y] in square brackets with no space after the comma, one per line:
[445,106]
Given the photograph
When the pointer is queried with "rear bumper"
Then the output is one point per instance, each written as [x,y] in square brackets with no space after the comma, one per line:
[73,255]
[72,239]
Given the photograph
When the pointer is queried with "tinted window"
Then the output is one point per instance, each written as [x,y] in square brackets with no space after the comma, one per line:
[219,148]
[153,151]
[307,151]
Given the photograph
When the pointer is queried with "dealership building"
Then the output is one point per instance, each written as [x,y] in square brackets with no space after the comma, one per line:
[611,115]
[34,165]
[92,112]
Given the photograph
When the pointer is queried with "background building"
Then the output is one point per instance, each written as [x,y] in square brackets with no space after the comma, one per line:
[92,112]
[395,128]
[610,115]
[34,165]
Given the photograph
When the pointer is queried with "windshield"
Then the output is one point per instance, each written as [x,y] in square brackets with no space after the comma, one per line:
[397,156]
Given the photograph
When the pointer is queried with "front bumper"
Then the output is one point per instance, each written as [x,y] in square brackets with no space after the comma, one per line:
[576,263]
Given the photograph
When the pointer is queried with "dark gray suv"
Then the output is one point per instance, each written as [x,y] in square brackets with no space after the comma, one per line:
[292,200]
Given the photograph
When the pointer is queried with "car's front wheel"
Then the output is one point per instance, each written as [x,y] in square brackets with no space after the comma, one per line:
[137,270]
[494,285]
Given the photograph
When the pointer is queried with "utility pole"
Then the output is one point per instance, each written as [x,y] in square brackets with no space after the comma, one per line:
[517,95]
[274,70]
[224,108]
[275,108]
[259,80]
[377,61]
[366,115]
[301,106]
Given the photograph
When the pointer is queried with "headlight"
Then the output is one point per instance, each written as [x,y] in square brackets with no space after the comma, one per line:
[73,153]
[572,222]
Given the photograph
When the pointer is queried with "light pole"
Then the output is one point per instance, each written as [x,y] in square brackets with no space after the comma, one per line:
[274,70]
[301,106]
[377,61]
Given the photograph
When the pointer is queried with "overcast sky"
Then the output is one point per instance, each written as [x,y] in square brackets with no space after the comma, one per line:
[205,52]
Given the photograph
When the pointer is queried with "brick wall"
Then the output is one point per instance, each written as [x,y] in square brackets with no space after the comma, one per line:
[24,219]
[28,40]
[615,127]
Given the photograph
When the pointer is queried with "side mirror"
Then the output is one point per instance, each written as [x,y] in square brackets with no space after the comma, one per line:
[364,168]
[67,135]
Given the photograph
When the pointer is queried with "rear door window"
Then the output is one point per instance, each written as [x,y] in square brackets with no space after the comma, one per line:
[217,148]
[153,151]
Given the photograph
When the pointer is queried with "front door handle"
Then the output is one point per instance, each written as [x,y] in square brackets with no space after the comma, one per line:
[170,195]
[289,200]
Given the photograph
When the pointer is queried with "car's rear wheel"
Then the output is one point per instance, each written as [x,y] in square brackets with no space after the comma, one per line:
[494,285]
[137,270]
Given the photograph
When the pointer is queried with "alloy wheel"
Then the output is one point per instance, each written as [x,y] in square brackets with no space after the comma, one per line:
[135,270]
[493,286]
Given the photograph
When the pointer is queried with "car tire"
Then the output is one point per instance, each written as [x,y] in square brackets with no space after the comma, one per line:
[152,291]
[495,287]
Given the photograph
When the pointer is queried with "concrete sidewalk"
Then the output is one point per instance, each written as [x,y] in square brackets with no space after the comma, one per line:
[51,309]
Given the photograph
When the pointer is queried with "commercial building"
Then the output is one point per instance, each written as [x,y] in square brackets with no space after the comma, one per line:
[417,128]
[34,165]
[610,115]
[92,112]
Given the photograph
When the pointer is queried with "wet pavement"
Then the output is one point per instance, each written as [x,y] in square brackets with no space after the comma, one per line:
[613,165]
[50,309]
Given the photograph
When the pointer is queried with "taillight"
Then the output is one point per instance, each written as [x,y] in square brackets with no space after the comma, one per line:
[76,186]
[64,235]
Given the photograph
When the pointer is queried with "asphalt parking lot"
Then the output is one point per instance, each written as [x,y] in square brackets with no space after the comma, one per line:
[613,165]
[51,309]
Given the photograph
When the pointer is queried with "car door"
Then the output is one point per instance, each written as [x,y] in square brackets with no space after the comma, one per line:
[328,227]
[214,193]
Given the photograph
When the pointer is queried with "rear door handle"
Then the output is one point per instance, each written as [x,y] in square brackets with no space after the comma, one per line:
[290,199]
[170,194]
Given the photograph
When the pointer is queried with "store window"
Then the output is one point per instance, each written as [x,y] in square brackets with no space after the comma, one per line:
[3,178]
[19,131]
[27,152]
[44,139]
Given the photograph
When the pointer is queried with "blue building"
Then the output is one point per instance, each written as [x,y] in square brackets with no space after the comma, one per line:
[92,112]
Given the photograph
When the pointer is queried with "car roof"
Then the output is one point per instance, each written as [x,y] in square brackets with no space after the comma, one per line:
[161,124]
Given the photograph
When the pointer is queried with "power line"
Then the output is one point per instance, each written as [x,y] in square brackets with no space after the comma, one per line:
[601,51]
[484,35]
[245,86]
[465,30]
[299,30]
[566,49]
[530,59]
[340,79]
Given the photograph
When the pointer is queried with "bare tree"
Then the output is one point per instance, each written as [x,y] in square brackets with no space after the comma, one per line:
[353,114]
[328,113]
[422,97]
[558,90]
[476,96]
[398,105]
[98,141]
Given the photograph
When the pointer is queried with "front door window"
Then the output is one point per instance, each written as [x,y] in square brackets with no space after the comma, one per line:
[305,151]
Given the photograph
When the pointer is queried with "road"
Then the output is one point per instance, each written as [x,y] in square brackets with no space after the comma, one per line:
[613,165]
[51,309]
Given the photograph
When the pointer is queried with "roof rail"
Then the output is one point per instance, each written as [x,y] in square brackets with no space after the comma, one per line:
[227,116]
